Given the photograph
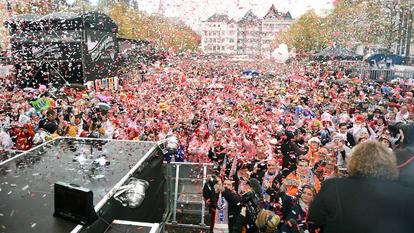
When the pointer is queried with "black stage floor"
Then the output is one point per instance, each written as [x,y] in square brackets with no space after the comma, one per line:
[27,183]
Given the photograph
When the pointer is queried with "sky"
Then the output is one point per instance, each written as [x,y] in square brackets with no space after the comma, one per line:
[192,12]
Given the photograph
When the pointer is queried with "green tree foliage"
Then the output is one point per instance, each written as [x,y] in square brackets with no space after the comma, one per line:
[155,28]
[351,23]
[307,34]
[38,6]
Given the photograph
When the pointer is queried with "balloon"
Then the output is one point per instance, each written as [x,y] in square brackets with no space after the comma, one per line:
[281,54]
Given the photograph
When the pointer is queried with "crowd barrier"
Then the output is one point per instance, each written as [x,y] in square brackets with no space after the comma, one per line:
[386,75]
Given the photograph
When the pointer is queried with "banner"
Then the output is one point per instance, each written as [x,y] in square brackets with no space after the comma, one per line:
[105,83]
[110,83]
[98,84]
[116,83]
[41,104]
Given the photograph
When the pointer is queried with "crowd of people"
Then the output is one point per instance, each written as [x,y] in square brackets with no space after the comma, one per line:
[282,133]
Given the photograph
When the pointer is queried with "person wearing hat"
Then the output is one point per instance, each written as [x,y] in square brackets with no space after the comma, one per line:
[375,115]
[360,128]
[378,125]
[267,221]
[312,156]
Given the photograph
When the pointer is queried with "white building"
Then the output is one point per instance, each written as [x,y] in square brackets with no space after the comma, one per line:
[251,35]
[219,35]
[273,23]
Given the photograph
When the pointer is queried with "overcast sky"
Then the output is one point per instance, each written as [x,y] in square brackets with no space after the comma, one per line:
[192,11]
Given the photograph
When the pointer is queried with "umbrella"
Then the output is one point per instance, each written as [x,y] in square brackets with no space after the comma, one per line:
[395,59]
[103,106]
[253,73]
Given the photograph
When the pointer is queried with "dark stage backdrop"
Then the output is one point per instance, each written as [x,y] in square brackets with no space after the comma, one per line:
[63,47]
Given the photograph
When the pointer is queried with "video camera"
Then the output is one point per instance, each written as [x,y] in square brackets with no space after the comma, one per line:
[252,199]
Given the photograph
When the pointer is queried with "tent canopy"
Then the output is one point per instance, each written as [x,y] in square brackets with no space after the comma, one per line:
[337,53]
[394,59]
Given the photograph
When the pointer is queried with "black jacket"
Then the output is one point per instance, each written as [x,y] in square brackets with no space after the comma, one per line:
[363,205]
[235,203]
[290,152]
[299,216]
[210,195]
[407,174]
[49,126]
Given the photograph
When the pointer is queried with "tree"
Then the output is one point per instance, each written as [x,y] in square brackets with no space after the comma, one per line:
[39,6]
[307,34]
[155,28]
[370,22]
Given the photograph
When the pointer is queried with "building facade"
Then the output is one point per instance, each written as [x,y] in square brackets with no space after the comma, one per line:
[250,35]
[219,35]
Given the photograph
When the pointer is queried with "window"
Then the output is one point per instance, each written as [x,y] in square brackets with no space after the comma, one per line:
[231,40]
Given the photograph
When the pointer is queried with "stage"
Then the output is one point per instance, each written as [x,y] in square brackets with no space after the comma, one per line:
[27,182]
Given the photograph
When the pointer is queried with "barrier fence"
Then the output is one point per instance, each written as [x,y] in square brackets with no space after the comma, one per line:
[184,197]
[386,75]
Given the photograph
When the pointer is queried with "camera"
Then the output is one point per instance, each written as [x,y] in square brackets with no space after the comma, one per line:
[252,203]
[252,199]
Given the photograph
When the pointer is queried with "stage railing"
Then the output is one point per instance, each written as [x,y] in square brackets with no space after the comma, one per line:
[185,201]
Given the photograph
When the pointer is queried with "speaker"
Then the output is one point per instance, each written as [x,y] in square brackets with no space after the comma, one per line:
[74,203]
